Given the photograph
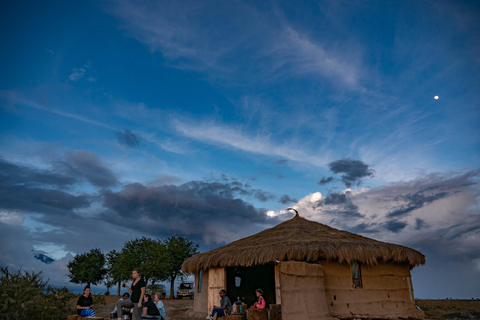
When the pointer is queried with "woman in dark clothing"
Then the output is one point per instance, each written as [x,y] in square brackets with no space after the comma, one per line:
[137,290]
[149,308]
[85,304]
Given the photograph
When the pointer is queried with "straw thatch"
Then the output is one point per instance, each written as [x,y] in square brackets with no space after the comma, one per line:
[302,240]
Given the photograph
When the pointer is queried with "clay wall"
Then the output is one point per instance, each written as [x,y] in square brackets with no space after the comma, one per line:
[302,291]
[387,291]
[200,303]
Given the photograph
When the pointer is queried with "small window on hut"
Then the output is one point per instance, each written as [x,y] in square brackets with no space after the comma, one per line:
[356,275]
[200,277]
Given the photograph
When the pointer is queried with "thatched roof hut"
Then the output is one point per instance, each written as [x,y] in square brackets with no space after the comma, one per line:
[312,270]
[299,239]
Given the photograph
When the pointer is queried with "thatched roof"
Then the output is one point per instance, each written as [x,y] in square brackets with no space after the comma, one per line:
[300,239]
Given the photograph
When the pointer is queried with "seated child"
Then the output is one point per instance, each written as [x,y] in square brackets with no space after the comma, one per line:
[260,304]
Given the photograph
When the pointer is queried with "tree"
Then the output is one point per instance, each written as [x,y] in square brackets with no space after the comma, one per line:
[87,267]
[115,271]
[148,255]
[178,249]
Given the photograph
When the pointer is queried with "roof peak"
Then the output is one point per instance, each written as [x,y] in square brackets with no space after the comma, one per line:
[296,213]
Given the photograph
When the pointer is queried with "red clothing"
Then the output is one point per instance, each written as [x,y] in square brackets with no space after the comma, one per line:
[260,303]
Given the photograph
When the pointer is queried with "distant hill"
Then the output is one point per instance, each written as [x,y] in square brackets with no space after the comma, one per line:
[44,258]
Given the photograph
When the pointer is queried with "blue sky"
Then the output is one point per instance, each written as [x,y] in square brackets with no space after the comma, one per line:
[121,119]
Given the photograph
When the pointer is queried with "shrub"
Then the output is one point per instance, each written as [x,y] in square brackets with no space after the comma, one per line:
[25,295]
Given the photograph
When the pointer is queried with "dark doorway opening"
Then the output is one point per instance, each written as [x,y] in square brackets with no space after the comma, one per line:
[243,281]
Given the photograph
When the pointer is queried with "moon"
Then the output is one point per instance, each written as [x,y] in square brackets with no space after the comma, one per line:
[436,97]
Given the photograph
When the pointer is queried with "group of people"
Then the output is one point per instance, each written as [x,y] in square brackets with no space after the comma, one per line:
[225,307]
[139,304]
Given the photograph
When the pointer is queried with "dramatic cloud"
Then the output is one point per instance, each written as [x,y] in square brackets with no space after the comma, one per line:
[127,138]
[439,210]
[33,190]
[354,171]
[285,199]
[194,208]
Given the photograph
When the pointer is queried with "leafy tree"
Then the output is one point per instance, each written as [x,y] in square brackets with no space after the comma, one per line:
[178,249]
[116,272]
[87,267]
[147,254]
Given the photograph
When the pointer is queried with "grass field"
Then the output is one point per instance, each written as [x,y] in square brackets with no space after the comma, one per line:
[450,309]
[434,309]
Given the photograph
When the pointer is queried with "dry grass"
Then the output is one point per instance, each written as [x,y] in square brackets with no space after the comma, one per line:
[450,309]
[303,240]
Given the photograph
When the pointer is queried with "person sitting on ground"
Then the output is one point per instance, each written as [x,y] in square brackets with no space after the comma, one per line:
[225,306]
[160,306]
[85,304]
[150,310]
[260,304]
[126,296]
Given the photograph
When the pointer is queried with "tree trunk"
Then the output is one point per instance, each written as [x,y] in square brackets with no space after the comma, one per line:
[172,280]
[118,287]
[146,283]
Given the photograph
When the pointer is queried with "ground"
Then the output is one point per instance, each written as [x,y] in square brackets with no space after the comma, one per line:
[175,308]
[434,309]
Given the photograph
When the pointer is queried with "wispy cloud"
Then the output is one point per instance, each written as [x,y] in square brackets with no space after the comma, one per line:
[249,42]
[11,98]
[79,72]
[210,132]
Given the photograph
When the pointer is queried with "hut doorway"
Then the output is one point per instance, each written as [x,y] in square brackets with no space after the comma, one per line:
[243,281]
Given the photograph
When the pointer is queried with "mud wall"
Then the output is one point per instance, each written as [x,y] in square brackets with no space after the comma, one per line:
[302,291]
[200,303]
[387,292]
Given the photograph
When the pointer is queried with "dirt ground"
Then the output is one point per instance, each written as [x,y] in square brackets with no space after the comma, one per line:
[175,309]
[434,309]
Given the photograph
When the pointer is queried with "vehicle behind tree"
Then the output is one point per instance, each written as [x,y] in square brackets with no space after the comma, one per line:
[186,289]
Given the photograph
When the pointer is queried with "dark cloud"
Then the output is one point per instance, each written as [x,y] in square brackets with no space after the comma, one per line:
[285,199]
[127,138]
[325,180]
[354,171]
[339,204]
[193,208]
[395,225]
[419,223]
[165,179]
[14,175]
[35,190]
[264,196]
[84,165]
[415,201]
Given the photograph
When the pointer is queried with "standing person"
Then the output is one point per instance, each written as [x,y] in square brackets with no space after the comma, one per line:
[150,310]
[85,304]
[224,308]
[160,306]
[260,304]
[137,290]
